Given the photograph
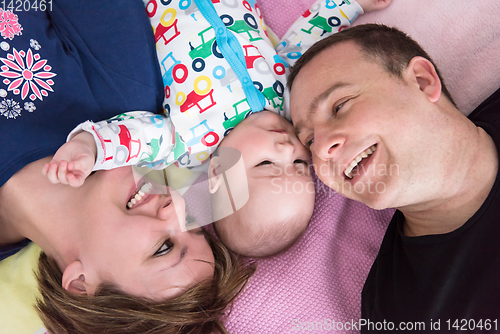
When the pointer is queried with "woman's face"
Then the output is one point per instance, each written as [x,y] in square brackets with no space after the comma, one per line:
[139,245]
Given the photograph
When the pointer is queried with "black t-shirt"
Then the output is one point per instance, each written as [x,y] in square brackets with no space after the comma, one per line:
[446,277]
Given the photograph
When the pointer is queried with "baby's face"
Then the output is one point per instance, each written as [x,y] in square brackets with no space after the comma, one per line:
[269,146]
[279,179]
[280,187]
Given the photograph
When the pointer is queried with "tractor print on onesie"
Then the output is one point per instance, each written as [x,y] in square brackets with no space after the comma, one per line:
[247,26]
[127,149]
[194,104]
[204,50]
[173,70]
[326,25]
[201,134]
[241,111]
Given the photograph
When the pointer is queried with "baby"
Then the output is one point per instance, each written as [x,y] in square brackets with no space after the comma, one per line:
[280,188]
[224,87]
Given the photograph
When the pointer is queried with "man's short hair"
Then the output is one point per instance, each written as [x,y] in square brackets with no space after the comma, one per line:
[389,46]
[198,310]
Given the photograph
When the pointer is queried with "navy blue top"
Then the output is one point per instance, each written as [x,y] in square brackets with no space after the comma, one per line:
[6,251]
[104,59]
[75,61]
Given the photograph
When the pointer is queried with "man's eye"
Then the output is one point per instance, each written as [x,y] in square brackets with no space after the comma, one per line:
[265,162]
[165,248]
[339,106]
[300,161]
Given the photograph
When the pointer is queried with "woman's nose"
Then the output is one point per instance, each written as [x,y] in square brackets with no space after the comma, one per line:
[171,209]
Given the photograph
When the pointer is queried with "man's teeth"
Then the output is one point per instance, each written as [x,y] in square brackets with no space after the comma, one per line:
[365,154]
[139,194]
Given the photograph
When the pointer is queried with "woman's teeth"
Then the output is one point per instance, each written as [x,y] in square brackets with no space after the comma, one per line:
[146,188]
[365,154]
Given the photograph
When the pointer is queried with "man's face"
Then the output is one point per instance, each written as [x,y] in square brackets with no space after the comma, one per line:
[347,108]
[139,246]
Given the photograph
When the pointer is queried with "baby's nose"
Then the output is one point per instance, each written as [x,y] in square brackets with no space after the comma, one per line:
[285,144]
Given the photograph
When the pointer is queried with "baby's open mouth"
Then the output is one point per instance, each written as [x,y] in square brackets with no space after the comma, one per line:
[354,164]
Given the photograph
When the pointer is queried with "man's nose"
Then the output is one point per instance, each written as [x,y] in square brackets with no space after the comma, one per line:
[327,143]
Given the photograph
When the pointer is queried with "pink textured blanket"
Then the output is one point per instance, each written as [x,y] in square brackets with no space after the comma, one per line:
[320,278]
[318,282]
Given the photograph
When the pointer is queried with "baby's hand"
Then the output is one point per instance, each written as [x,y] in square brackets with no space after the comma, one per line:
[371,5]
[73,161]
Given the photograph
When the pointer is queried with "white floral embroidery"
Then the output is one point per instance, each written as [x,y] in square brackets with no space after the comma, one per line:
[29,106]
[10,108]
[35,45]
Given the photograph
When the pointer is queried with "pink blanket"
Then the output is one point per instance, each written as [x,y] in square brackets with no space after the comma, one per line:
[320,278]
[317,283]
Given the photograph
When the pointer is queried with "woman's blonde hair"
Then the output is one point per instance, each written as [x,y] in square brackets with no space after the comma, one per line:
[201,309]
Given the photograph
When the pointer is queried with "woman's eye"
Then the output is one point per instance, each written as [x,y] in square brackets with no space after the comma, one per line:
[165,248]
[265,162]
[300,161]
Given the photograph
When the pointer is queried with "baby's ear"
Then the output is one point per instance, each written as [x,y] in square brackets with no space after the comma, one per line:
[215,178]
[214,167]
[73,280]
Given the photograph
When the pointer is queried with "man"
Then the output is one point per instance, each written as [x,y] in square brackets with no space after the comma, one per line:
[382,128]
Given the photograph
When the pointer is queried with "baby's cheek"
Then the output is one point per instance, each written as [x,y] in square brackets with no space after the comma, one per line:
[301,187]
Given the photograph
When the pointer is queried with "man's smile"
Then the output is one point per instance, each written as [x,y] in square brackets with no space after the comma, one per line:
[359,158]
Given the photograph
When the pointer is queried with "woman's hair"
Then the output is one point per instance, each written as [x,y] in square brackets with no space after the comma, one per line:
[201,309]
[392,48]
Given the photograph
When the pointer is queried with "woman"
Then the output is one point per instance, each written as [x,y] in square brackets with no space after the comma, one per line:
[104,265]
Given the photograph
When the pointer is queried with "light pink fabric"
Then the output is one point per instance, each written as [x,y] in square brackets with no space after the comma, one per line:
[462,37]
[322,275]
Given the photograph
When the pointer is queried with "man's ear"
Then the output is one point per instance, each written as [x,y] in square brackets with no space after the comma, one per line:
[422,70]
[73,280]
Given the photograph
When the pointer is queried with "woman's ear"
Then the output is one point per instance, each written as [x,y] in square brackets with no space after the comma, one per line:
[73,280]
[424,73]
